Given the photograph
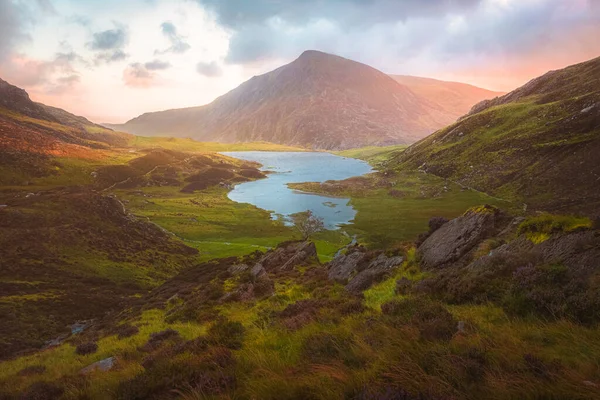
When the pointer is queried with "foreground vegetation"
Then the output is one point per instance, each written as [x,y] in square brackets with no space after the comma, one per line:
[300,335]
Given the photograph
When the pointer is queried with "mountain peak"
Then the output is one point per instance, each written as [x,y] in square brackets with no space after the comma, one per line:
[314,54]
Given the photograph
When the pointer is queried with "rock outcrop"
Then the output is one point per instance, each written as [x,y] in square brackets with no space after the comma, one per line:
[376,271]
[456,238]
[358,269]
[289,255]
[344,265]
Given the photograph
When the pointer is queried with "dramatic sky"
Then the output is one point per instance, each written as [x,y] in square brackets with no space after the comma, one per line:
[111,60]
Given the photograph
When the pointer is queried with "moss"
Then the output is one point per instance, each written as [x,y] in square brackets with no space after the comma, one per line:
[540,228]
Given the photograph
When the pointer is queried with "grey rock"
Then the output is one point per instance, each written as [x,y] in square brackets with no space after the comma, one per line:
[103,365]
[289,256]
[344,265]
[457,237]
[258,271]
[375,272]
[238,268]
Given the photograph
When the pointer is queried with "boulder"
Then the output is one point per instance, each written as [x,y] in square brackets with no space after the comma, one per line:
[456,238]
[375,272]
[258,272]
[238,268]
[103,365]
[289,255]
[344,265]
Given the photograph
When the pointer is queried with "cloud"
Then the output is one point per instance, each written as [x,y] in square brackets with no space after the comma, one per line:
[56,76]
[413,36]
[157,65]
[47,7]
[211,69]
[178,44]
[13,22]
[136,75]
[110,45]
[109,40]
[110,57]
[239,13]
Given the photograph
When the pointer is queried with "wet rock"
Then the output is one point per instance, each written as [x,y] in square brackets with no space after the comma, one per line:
[456,238]
[103,365]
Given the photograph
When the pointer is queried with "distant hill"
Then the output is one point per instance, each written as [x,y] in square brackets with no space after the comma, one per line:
[318,101]
[454,99]
[539,144]
[32,132]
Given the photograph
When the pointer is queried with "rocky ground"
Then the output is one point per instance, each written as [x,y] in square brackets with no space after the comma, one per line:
[482,306]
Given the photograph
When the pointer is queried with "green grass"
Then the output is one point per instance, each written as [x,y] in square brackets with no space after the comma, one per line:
[217,226]
[372,154]
[539,228]
[190,145]
[383,219]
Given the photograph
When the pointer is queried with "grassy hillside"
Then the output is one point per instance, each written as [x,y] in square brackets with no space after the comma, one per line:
[537,145]
[210,333]
[372,154]
[182,144]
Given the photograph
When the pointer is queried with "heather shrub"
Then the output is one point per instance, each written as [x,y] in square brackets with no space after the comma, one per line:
[323,348]
[126,330]
[227,333]
[86,348]
[432,319]
[32,370]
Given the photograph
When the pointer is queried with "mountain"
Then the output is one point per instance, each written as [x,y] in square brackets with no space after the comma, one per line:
[454,99]
[31,133]
[538,144]
[320,101]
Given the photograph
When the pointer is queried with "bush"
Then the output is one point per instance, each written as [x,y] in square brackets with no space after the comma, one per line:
[436,223]
[403,286]
[126,330]
[86,348]
[43,391]
[158,338]
[32,370]
[432,319]
[227,333]
[321,348]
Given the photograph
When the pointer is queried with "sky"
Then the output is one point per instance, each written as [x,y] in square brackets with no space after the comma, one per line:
[112,60]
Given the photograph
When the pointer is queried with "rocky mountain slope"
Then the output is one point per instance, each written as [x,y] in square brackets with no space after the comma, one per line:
[538,144]
[33,134]
[454,99]
[479,308]
[318,101]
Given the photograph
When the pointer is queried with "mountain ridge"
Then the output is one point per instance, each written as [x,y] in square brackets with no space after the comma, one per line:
[537,145]
[319,100]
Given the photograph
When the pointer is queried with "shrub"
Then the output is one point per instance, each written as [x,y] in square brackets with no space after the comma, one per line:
[43,391]
[432,319]
[126,330]
[321,348]
[227,333]
[403,286]
[436,223]
[86,348]
[32,370]
[158,338]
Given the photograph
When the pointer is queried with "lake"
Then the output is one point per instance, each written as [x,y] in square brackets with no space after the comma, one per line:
[272,193]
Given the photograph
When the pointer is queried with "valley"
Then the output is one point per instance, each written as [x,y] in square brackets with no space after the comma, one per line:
[457,265]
